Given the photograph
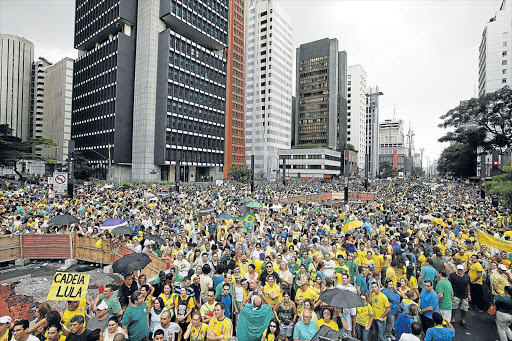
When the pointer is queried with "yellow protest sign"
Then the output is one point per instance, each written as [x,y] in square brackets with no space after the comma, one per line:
[67,286]
[486,239]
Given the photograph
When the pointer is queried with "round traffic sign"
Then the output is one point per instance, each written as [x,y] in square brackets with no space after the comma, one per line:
[60,179]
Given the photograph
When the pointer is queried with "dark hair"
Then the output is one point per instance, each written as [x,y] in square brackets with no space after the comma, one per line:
[145,286]
[135,296]
[221,305]
[508,289]
[115,319]
[438,318]
[53,317]
[161,301]
[110,286]
[428,281]
[94,335]
[158,332]
[442,272]
[56,326]
[416,329]
[206,269]
[124,301]
[277,329]
[78,319]
[23,323]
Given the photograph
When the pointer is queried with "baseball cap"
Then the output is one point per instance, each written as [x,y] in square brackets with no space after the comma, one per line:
[502,267]
[102,306]
[5,319]
[460,267]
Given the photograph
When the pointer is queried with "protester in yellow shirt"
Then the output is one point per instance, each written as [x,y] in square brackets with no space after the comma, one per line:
[219,325]
[391,272]
[364,318]
[304,292]
[326,320]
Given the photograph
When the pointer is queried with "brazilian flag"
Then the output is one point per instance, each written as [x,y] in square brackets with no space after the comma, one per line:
[249,219]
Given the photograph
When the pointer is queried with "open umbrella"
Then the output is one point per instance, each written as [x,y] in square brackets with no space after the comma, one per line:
[375,204]
[64,219]
[122,230]
[110,224]
[130,263]
[428,217]
[341,298]
[80,195]
[224,216]
[154,238]
[351,225]
[253,204]
[480,200]
[244,201]
[276,207]
[204,211]
[182,196]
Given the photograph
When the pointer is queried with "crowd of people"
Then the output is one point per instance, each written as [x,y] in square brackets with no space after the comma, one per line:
[414,260]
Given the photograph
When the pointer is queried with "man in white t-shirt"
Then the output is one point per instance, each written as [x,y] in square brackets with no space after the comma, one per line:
[170,328]
[329,266]
[414,335]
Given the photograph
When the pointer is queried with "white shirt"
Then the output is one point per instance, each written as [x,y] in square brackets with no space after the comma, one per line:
[170,332]
[409,337]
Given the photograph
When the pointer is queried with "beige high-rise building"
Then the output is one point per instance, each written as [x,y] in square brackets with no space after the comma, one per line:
[16,59]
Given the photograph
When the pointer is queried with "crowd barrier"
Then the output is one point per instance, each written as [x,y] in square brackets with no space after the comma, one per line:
[70,246]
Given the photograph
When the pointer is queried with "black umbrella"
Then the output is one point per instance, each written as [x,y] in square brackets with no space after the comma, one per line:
[154,238]
[341,298]
[64,219]
[327,333]
[245,201]
[122,230]
[130,263]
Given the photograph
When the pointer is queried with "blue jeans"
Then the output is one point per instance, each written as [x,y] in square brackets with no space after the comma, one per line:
[390,324]
[361,332]
[381,329]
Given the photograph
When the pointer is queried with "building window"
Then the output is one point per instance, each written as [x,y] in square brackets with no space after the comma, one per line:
[503,62]
[503,80]
[504,43]
[504,53]
[504,71]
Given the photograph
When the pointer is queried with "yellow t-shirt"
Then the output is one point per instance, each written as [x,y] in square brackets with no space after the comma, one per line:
[67,315]
[167,300]
[378,259]
[276,290]
[363,315]
[190,305]
[331,324]
[413,283]
[199,334]
[391,274]
[474,270]
[464,258]
[303,295]
[422,259]
[218,328]
[271,337]
[379,304]
[367,262]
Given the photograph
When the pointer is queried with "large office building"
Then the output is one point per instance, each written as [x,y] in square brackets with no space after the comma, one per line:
[495,70]
[16,61]
[150,87]
[356,112]
[268,87]
[234,152]
[392,145]
[321,74]
[372,131]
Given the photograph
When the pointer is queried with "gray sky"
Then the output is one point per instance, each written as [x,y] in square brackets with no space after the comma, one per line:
[422,54]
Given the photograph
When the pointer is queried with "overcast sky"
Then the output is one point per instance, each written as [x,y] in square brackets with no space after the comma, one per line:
[423,55]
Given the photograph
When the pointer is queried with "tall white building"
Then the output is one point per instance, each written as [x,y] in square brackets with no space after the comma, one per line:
[16,60]
[372,129]
[495,68]
[356,112]
[268,86]
[495,60]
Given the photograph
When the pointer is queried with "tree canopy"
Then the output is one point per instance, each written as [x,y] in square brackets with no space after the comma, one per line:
[386,170]
[458,160]
[501,186]
[484,122]
[241,174]
[13,149]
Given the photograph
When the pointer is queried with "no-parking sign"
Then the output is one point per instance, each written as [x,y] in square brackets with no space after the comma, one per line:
[60,182]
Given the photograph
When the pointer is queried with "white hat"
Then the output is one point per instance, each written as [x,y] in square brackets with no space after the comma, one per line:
[102,306]
[5,319]
[460,267]
[502,267]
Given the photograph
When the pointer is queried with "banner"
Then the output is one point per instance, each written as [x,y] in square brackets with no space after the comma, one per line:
[67,286]
[487,239]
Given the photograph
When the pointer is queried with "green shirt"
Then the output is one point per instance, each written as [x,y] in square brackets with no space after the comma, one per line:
[113,305]
[136,320]
[352,266]
[445,287]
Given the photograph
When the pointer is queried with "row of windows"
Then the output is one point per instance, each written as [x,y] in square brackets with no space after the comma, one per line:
[194,141]
[101,139]
[184,124]
[194,156]
[93,19]
[191,95]
[193,110]
[200,54]
[192,66]
[212,24]
[195,82]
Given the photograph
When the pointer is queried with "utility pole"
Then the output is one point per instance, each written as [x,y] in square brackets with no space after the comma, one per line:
[71,151]
[252,177]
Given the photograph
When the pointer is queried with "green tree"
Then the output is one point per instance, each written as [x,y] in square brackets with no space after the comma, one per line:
[485,122]
[386,170]
[14,149]
[458,160]
[501,187]
[82,169]
[240,174]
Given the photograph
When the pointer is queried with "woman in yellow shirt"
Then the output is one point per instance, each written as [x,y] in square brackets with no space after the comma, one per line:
[272,331]
[167,296]
[327,314]
[196,330]
[272,291]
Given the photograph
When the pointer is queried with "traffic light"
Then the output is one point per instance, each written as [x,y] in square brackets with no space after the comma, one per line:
[366,183]
[346,159]
[495,163]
